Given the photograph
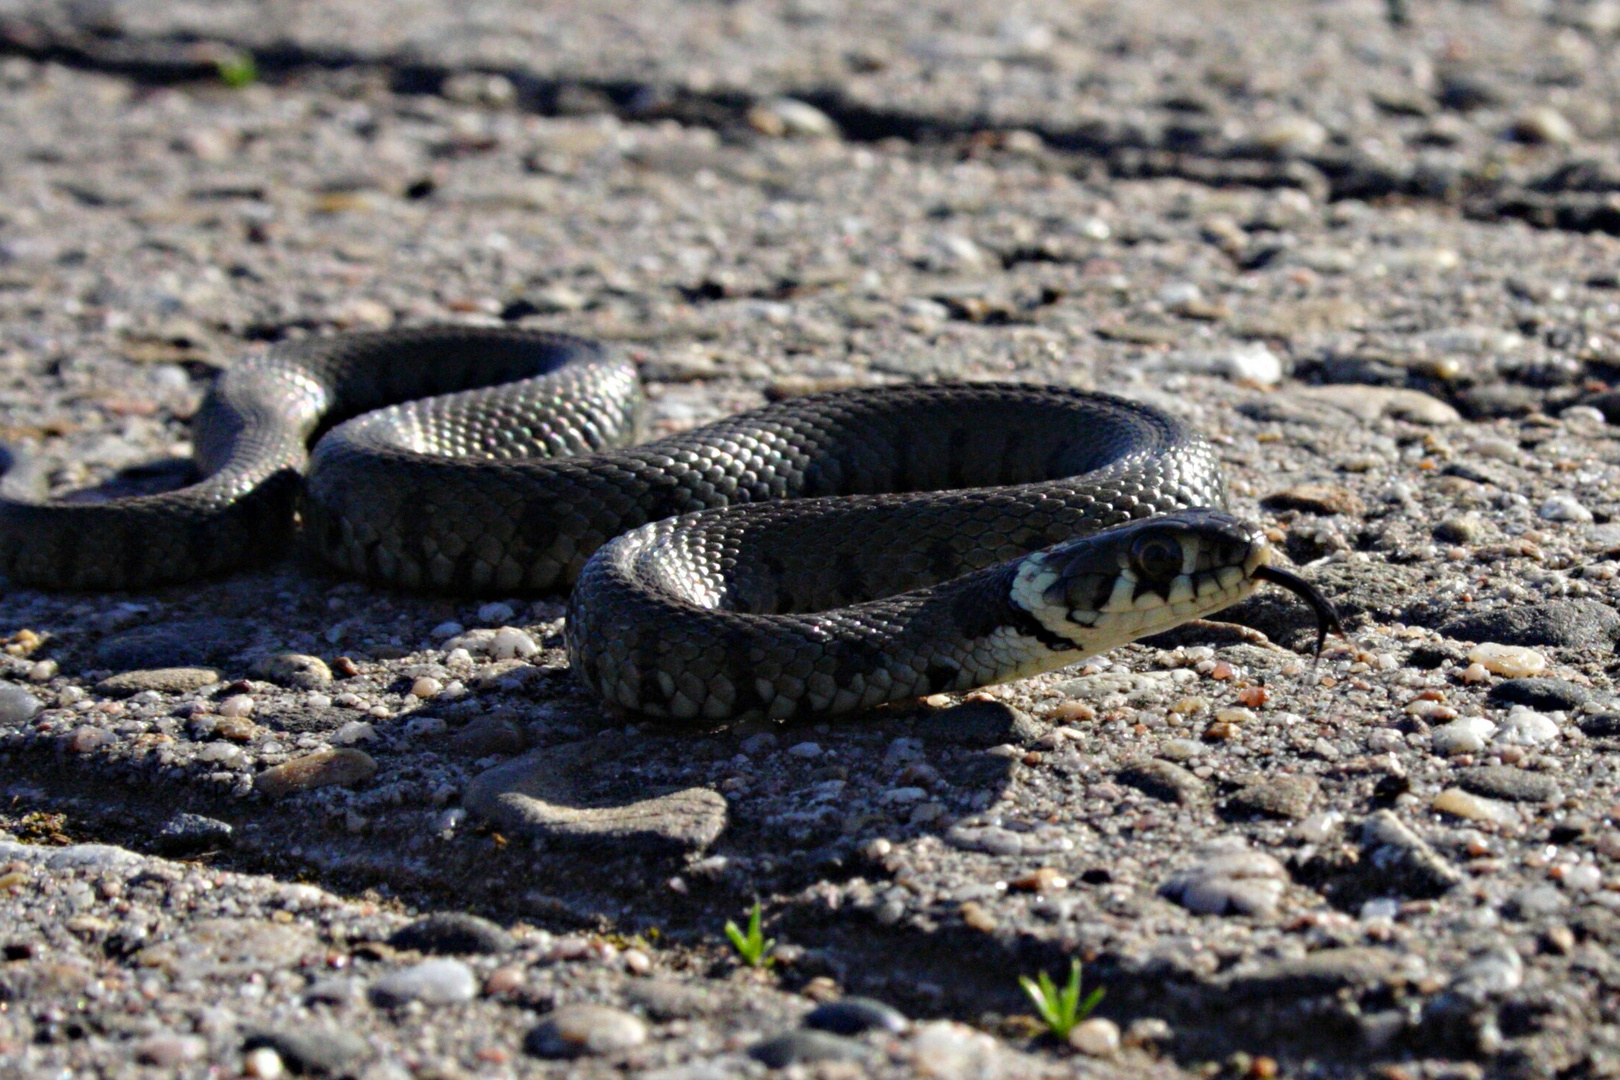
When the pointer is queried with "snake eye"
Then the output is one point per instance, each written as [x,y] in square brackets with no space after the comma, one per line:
[1155,558]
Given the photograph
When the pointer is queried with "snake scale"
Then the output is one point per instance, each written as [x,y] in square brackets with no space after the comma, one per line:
[819,555]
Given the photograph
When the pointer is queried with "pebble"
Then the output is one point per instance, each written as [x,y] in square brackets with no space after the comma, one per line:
[1603,725]
[86,738]
[488,735]
[453,933]
[1526,727]
[17,706]
[496,613]
[1568,624]
[510,643]
[1401,862]
[804,1047]
[181,680]
[262,1064]
[981,724]
[1163,780]
[1459,803]
[1095,1037]
[579,1030]
[324,768]
[237,705]
[1506,782]
[786,117]
[1583,878]
[804,750]
[433,982]
[947,1050]
[1316,499]
[1565,508]
[167,1050]
[1537,901]
[1544,124]
[1509,660]
[1540,693]
[853,1015]
[187,834]
[1466,735]
[321,1051]
[426,687]
[1282,795]
[296,670]
[1229,878]
[351,732]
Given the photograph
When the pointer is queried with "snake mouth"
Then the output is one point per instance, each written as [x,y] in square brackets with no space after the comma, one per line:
[1327,619]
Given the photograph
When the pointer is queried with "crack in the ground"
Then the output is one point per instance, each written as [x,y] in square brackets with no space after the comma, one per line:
[1566,198]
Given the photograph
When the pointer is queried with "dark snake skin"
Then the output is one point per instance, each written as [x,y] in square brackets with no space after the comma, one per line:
[514,487]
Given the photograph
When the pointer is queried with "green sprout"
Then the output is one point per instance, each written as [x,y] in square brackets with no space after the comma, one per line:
[237,69]
[1061,1009]
[753,946]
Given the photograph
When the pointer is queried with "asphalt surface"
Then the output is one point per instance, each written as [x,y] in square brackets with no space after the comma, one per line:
[1367,247]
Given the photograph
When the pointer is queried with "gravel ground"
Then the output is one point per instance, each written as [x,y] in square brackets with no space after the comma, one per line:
[288,822]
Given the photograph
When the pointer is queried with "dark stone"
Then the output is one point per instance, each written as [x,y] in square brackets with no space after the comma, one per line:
[1494,400]
[981,724]
[853,1015]
[1568,624]
[1163,780]
[1402,863]
[1281,796]
[1540,693]
[187,834]
[1507,782]
[804,1047]
[17,706]
[1603,725]
[187,643]
[453,933]
[311,1051]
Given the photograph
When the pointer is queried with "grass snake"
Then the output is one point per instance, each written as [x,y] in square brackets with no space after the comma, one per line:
[819,555]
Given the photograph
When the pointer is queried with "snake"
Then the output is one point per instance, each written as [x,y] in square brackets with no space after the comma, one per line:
[820,555]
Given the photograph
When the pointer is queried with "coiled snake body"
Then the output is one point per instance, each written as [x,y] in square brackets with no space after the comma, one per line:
[779,563]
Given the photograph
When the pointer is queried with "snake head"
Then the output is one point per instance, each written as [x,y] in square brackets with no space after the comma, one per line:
[1145,577]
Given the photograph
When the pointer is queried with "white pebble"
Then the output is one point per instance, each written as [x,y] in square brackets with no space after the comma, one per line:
[262,1064]
[426,687]
[1526,727]
[1465,735]
[1509,661]
[1583,878]
[355,731]
[236,705]
[1095,1037]
[1565,508]
[510,643]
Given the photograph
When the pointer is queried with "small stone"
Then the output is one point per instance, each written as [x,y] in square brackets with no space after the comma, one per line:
[87,738]
[488,735]
[579,1030]
[1509,660]
[236,728]
[1526,727]
[1537,901]
[510,643]
[946,1050]
[1540,693]
[262,1064]
[324,768]
[1095,1037]
[496,613]
[17,706]
[1567,624]
[1163,780]
[806,1047]
[853,1015]
[1316,499]
[1546,125]
[237,705]
[1583,877]
[786,117]
[1603,725]
[188,834]
[182,680]
[426,687]
[804,750]
[1460,804]
[1506,782]
[1040,880]
[433,982]
[167,1050]
[1565,508]
[1229,878]
[351,732]
[307,1050]
[295,670]
[1466,735]
[1281,795]
[453,933]
[1401,862]
[980,724]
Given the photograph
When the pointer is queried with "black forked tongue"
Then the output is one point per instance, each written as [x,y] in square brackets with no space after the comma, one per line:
[1326,618]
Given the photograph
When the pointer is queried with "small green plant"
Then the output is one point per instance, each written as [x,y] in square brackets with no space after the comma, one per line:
[754,947]
[237,69]
[1061,1009]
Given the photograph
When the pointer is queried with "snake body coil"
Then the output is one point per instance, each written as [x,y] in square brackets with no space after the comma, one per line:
[872,543]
